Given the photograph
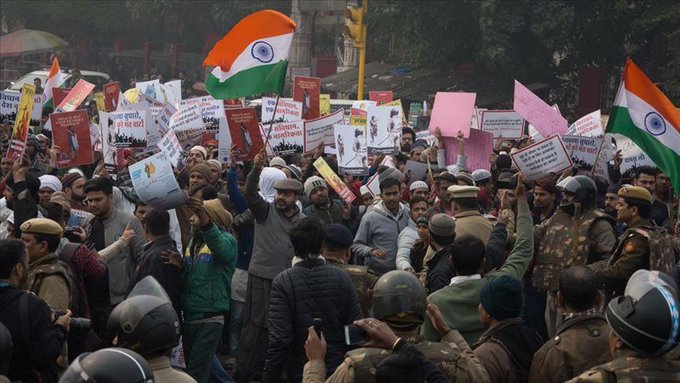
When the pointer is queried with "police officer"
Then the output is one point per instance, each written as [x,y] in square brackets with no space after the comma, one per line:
[47,277]
[37,341]
[109,365]
[581,341]
[642,246]
[147,323]
[465,208]
[576,235]
[399,301]
[336,252]
[644,326]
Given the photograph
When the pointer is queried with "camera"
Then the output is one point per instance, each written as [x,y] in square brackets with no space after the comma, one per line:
[75,324]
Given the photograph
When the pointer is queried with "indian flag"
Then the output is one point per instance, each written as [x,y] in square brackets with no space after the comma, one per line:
[646,116]
[54,80]
[252,58]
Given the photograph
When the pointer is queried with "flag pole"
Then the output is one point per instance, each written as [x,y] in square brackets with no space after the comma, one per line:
[271,125]
[597,156]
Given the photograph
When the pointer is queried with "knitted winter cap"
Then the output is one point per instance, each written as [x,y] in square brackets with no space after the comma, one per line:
[502,297]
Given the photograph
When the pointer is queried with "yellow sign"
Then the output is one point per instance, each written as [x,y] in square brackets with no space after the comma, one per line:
[21,123]
[99,97]
[325,104]
[334,181]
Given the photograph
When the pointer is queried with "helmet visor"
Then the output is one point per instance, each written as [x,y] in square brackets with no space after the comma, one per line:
[74,373]
[149,286]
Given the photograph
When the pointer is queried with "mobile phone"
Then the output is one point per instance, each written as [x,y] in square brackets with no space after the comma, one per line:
[355,335]
[317,323]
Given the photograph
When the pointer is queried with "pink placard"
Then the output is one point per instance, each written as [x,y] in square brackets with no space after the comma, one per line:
[478,148]
[452,112]
[542,116]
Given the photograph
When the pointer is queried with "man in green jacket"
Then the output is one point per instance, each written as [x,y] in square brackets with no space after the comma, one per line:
[458,302]
[209,264]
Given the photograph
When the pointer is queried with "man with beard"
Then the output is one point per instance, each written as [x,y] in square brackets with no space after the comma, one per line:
[104,228]
[72,185]
[545,199]
[38,341]
[442,183]
[272,253]
[324,208]
[645,176]
[611,200]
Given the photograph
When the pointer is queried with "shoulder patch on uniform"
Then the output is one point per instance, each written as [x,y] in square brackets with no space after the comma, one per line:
[630,246]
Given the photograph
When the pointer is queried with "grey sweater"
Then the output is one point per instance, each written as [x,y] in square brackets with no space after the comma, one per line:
[120,267]
[379,229]
[272,250]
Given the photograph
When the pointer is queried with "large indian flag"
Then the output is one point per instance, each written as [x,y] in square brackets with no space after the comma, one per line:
[646,116]
[54,80]
[252,58]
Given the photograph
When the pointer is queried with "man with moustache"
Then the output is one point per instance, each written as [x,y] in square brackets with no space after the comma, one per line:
[72,185]
[272,253]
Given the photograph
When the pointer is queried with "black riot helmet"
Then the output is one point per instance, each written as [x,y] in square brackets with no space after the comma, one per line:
[584,190]
[6,349]
[647,317]
[145,321]
[108,365]
[399,295]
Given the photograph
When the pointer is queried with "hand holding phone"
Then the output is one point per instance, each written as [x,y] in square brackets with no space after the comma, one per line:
[355,335]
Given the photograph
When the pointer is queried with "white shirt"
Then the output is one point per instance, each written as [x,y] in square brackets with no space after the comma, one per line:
[462,278]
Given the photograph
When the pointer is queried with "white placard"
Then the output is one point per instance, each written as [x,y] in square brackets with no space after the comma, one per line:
[155,183]
[542,158]
[503,124]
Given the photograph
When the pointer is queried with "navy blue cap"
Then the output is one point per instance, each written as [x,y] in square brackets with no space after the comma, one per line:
[338,236]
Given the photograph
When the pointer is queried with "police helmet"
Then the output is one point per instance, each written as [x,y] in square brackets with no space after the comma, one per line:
[109,365]
[145,321]
[584,190]
[398,293]
[647,317]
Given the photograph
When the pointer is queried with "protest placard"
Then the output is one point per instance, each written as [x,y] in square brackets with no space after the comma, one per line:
[478,148]
[59,94]
[75,97]
[373,185]
[415,171]
[129,128]
[188,125]
[542,158]
[171,92]
[153,130]
[151,89]
[9,104]
[320,131]
[452,113]
[169,144]
[324,104]
[414,110]
[360,107]
[284,138]
[164,116]
[503,124]
[352,152]
[583,151]
[633,156]
[334,181]
[381,96]
[95,137]
[589,125]
[398,104]
[287,110]
[17,144]
[71,133]
[108,148]
[155,183]
[245,133]
[384,129]
[544,118]
[307,91]
[111,94]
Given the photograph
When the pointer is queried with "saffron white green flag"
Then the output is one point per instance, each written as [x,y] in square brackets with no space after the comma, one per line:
[644,114]
[252,58]
[54,80]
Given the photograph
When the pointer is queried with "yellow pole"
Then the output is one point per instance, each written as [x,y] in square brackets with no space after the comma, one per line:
[362,52]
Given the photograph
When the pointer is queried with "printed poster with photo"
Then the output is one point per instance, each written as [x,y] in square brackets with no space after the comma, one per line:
[320,131]
[352,151]
[129,128]
[17,144]
[71,133]
[245,133]
[284,137]
[188,126]
[384,129]
[111,94]
[307,90]
[155,183]
[9,104]
[75,97]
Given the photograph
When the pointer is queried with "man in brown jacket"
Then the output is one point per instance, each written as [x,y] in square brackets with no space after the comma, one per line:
[581,342]
[466,213]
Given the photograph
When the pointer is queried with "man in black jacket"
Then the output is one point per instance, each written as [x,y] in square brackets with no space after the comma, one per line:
[37,341]
[156,230]
[309,290]
[442,233]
